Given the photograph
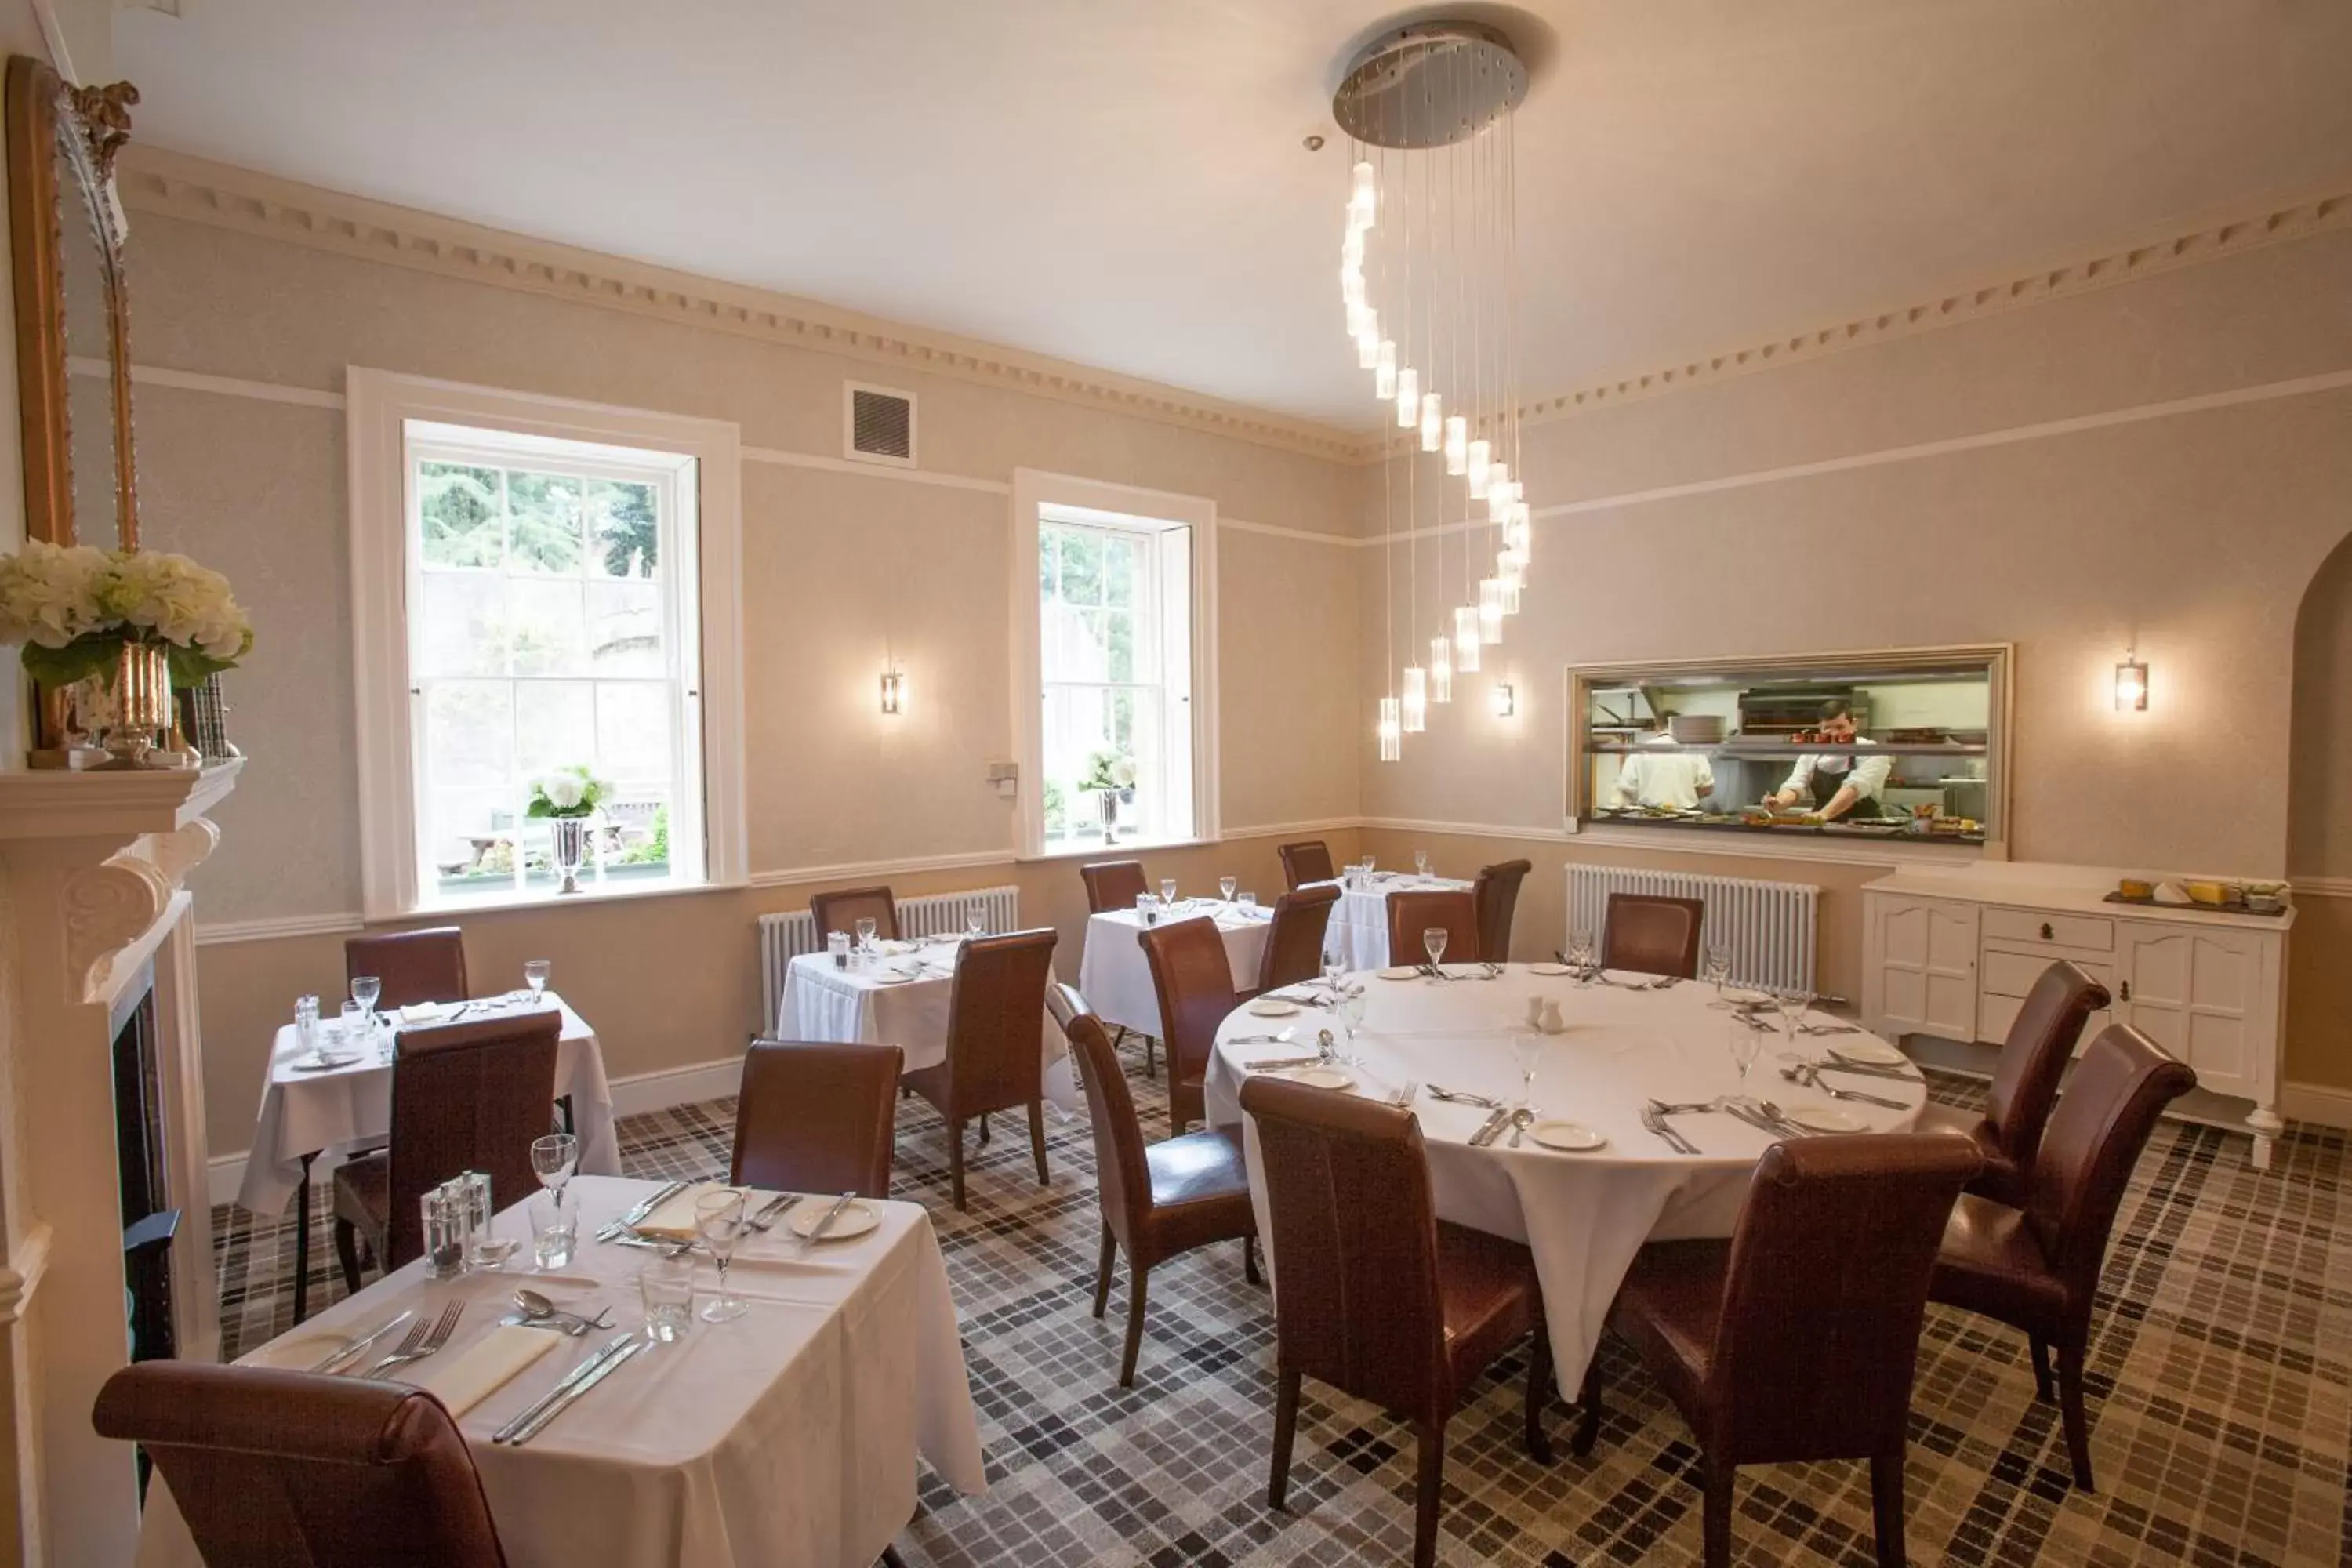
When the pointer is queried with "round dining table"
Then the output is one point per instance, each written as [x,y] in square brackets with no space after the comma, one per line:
[1623,1041]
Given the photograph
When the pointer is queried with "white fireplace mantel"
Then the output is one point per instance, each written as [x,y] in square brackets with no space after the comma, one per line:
[92,868]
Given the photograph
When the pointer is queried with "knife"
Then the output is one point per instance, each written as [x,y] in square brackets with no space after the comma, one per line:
[352,1352]
[570,1395]
[614,1227]
[564,1385]
[1489,1131]
[816,1231]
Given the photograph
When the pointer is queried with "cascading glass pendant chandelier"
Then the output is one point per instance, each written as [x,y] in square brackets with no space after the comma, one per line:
[1428,278]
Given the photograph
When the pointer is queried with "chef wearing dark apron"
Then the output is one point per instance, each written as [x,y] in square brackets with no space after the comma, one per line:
[1836,784]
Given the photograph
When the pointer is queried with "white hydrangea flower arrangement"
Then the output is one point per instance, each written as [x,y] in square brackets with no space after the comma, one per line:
[73,607]
[570,791]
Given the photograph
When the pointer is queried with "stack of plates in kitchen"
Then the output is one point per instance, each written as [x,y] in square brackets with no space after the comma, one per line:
[1695,729]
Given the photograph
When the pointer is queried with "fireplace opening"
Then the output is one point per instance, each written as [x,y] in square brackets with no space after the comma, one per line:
[149,1222]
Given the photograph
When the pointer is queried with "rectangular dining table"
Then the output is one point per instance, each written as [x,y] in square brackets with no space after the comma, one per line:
[305,1114]
[899,999]
[788,1435]
[1359,932]
[1115,976]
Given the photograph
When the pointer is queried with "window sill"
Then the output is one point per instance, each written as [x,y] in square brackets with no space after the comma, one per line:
[498,903]
[1125,850]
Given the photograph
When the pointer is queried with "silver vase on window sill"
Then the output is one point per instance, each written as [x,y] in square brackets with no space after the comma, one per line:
[569,845]
[1108,801]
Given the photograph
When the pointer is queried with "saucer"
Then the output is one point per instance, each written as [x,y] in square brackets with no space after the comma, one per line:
[856,1220]
[1825,1119]
[1316,1078]
[1870,1053]
[1274,1007]
[325,1061]
[1399,973]
[1565,1136]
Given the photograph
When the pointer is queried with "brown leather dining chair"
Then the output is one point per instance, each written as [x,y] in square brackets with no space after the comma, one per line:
[1796,1339]
[465,1097]
[1157,1199]
[816,1118]
[2041,1042]
[1309,860]
[1409,914]
[2036,1267]
[1374,1294]
[840,910]
[996,1043]
[426,965]
[1294,938]
[1652,935]
[286,1469]
[1495,895]
[1113,885]
[1194,980]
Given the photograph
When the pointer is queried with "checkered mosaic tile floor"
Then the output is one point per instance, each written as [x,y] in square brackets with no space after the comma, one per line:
[2221,1394]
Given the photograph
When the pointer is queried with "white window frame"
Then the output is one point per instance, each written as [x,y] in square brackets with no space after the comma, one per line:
[1033,492]
[379,406]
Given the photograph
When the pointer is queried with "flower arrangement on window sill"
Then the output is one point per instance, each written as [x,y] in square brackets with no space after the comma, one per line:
[566,799]
[1110,775]
[112,630]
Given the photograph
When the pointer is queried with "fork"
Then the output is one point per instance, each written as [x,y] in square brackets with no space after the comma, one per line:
[1810,1077]
[443,1327]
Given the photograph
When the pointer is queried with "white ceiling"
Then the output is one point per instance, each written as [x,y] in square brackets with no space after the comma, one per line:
[1122,183]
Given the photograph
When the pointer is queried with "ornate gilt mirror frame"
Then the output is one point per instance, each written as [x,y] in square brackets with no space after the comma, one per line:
[62,138]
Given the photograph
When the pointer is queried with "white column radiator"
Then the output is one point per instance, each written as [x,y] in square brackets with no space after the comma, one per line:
[785,936]
[1770,924]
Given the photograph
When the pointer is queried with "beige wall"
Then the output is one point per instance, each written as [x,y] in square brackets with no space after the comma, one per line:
[2192,535]
[255,484]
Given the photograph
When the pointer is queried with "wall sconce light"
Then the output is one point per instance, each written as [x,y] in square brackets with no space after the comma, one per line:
[2131,686]
[1505,699]
[894,690]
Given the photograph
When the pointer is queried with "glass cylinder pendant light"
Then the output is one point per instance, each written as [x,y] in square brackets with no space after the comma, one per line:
[1368,340]
[1413,716]
[1441,668]
[1384,373]
[1390,730]
[1478,460]
[1364,196]
[1490,610]
[1458,443]
[1433,422]
[1466,640]
[1408,397]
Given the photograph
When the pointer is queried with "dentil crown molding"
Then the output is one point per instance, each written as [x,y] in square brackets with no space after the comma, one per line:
[155,180]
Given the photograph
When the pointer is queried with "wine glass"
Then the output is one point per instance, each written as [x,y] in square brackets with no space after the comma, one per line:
[534,975]
[1793,1005]
[1168,891]
[367,990]
[553,1160]
[1717,959]
[1527,1046]
[1744,1041]
[1580,954]
[865,938]
[1225,885]
[1432,942]
[1420,863]
[1352,1018]
[975,925]
[718,1220]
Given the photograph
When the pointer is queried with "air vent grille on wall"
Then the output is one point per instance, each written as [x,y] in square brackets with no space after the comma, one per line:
[880,424]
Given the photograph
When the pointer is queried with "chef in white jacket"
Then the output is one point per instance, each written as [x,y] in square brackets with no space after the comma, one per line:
[1675,779]
[1834,783]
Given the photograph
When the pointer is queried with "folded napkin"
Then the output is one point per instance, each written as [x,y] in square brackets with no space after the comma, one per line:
[481,1369]
[675,1219]
[427,1011]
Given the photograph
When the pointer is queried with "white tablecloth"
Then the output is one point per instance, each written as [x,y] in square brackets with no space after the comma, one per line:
[788,1435]
[1584,1215]
[873,1005]
[309,1112]
[1359,931]
[1114,977]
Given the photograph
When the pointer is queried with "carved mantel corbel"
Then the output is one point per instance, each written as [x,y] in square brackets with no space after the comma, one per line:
[110,906]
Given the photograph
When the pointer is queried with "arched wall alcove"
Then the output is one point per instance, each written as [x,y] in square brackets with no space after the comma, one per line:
[2319,829]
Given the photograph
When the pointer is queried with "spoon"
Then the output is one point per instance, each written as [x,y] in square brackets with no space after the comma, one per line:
[1521,1120]
[536,1309]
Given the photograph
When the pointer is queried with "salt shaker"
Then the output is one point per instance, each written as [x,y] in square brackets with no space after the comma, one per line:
[1535,1012]
[473,1187]
[445,1244]
[1553,1022]
[838,944]
[306,1023]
